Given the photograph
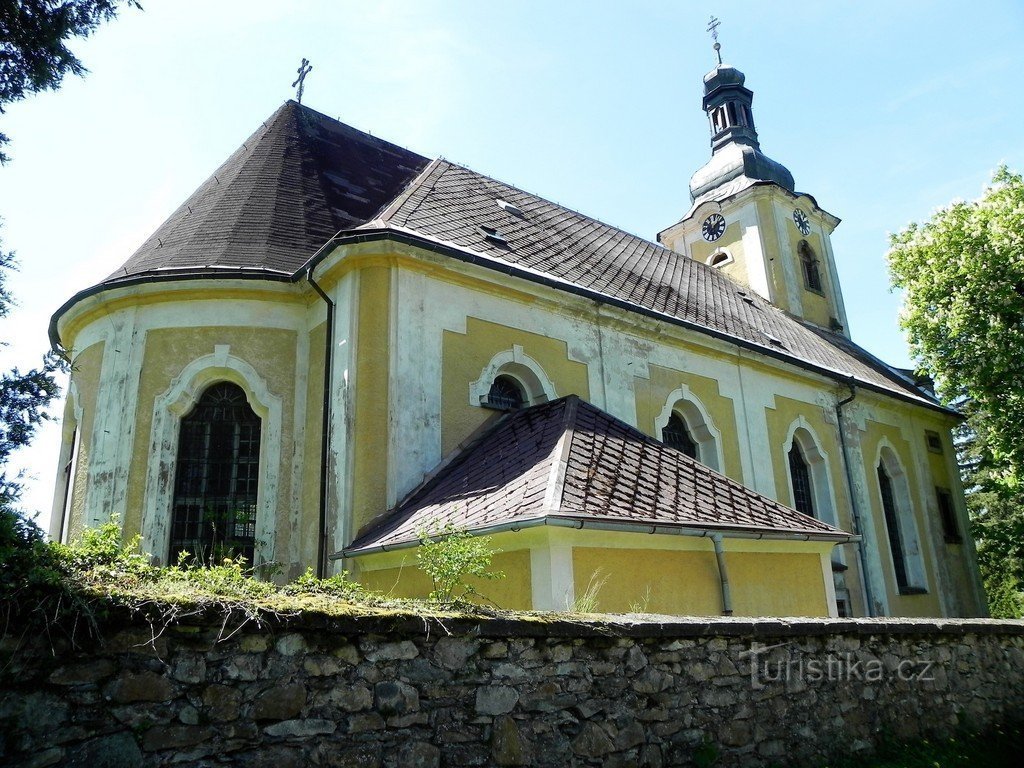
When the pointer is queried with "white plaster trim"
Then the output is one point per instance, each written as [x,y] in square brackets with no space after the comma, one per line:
[520,366]
[818,463]
[294,555]
[720,252]
[910,538]
[830,585]
[563,583]
[702,428]
[168,410]
[343,384]
[67,464]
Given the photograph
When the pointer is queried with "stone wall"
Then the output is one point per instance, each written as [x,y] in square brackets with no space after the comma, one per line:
[407,691]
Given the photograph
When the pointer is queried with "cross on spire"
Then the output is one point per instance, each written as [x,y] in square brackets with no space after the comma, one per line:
[304,69]
[713,26]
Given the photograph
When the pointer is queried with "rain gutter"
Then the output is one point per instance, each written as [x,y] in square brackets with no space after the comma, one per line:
[565,521]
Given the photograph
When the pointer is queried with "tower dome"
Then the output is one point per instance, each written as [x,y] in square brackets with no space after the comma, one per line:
[735,150]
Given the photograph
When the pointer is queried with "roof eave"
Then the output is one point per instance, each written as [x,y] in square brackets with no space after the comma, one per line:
[579,522]
[412,238]
[163,275]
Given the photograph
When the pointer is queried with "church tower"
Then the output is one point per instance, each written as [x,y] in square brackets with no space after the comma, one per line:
[747,219]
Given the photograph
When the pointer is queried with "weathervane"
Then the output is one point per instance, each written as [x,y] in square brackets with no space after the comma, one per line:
[713,29]
[304,69]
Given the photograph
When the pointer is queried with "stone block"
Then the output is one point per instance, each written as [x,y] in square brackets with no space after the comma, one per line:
[83,673]
[161,737]
[301,728]
[453,653]
[496,700]
[291,644]
[403,649]
[592,742]
[130,687]
[350,699]
[116,750]
[419,754]
[221,703]
[282,702]
[507,744]
[393,697]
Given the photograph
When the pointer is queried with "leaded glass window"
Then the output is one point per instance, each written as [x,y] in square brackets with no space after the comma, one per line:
[505,393]
[215,488]
[892,525]
[799,473]
[676,435]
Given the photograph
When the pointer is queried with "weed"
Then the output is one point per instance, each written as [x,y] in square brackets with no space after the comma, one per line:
[450,557]
[587,602]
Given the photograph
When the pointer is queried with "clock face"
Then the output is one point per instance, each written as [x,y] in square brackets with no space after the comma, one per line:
[713,227]
[801,221]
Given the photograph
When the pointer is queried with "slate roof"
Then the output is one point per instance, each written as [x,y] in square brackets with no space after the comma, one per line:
[303,177]
[450,204]
[298,180]
[568,462]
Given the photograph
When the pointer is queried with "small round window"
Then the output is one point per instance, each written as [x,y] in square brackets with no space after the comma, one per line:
[506,393]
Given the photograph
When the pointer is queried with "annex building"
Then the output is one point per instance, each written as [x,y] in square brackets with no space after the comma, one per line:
[336,344]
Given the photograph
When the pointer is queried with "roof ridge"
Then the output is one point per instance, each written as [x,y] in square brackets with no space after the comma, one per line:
[560,457]
[414,184]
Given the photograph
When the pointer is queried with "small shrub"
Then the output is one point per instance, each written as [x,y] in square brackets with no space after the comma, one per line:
[450,557]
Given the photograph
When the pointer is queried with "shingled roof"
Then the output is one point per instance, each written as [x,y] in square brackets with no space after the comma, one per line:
[567,462]
[454,205]
[304,177]
[297,181]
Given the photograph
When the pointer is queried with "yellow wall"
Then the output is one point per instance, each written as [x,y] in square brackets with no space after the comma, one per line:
[513,592]
[85,372]
[776,583]
[370,429]
[686,582]
[730,241]
[271,352]
[652,395]
[466,355]
[652,581]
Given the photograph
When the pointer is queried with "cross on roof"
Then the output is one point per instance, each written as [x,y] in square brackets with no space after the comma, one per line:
[713,26]
[304,69]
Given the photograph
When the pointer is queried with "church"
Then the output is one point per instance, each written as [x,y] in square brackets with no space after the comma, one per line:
[337,346]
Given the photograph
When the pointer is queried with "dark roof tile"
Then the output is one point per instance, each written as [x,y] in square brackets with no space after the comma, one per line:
[589,466]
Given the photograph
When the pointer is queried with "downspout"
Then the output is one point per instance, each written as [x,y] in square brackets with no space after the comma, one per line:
[723,574]
[855,511]
[321,552]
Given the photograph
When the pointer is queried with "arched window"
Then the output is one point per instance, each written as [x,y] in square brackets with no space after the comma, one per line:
[215,490]
[809,263]
[720,258]
[800,475]
[904,545]
[505,393]
[676,435]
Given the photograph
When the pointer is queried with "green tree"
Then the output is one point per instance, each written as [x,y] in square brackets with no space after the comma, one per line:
[962,273]
[34,57]
[33,52]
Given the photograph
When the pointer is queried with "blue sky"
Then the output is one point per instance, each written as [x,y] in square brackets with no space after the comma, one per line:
[883,111]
